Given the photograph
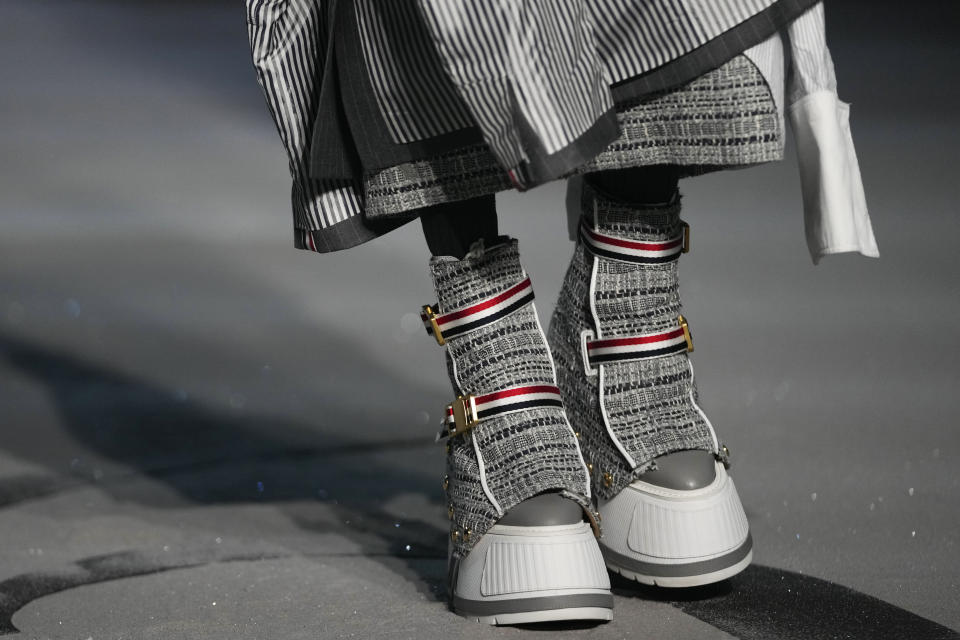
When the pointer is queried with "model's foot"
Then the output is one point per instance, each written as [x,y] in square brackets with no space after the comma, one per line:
[681,525]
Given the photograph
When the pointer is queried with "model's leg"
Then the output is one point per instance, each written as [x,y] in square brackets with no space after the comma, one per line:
[670,512]
[450,228]
[516,482]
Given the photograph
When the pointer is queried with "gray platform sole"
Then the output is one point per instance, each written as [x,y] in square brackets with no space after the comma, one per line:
[691,574]
[583,606]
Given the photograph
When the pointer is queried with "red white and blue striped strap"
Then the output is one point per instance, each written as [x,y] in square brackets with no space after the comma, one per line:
[639,347]
[443,326]
[617,248]
[467,411]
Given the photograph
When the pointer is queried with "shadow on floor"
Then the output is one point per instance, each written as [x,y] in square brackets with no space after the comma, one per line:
[765,603]
[211,457]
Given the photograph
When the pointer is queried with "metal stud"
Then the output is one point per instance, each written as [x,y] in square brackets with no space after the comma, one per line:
[577,434]
[607,479]
[446,482]
[450,511]
[590,468]
[724,456]
[466,535]
[455,535]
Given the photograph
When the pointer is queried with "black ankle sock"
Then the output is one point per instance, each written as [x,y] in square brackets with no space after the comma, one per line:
[451,228]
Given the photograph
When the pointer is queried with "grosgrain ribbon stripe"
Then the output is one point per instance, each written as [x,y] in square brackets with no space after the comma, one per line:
[461,321]
[617,248]
[653,345]
[515,399]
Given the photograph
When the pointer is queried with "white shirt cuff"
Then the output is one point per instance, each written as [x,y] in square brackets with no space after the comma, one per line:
[834,205]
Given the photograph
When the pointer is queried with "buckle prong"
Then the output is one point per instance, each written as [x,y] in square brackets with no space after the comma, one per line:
[432,317]
[686,332]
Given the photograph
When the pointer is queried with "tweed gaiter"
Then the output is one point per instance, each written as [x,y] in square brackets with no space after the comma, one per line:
[629,412]
[506,458]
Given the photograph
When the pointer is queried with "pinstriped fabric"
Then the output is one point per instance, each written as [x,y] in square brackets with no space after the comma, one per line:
[812,61]
[636,36]
[534,60]
[415,96]
[716,17]
[483,73]
[531,77]
[286,43]
[768,57]
[550,59]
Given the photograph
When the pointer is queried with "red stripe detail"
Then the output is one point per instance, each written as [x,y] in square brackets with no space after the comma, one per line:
[313,247]
[631,244]
[486,304]
[518,391]
[625,342]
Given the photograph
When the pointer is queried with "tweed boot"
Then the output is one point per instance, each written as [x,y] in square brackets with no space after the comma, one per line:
[621,348]
[509,443]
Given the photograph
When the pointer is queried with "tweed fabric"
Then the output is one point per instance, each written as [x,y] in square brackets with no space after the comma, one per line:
[521,454]
[726,117]
[650,404]
[459,175]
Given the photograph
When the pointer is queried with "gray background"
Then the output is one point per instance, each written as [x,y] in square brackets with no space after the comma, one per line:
[185,396]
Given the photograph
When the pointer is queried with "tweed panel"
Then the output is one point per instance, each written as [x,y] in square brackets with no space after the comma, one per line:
[650,404]
[521,454]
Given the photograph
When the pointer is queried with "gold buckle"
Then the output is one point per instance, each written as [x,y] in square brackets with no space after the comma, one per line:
[464,415]
[432,317]
[686,332]
[686,241]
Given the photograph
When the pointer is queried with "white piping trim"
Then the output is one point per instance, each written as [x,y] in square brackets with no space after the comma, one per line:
[593,295]
[483,477]
[716,442]
[553,369]
[606,422]
[456,377]
[600,366]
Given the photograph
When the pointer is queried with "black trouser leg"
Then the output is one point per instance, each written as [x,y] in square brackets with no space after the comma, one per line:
[450,228]
[650,184]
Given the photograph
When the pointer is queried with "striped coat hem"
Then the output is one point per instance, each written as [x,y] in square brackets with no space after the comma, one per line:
[298,64]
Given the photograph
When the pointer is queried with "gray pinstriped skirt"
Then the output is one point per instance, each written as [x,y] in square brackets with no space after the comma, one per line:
[388,106]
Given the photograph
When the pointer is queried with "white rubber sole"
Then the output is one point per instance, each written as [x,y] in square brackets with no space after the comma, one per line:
[520,575]
[600,614]
[676,538]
